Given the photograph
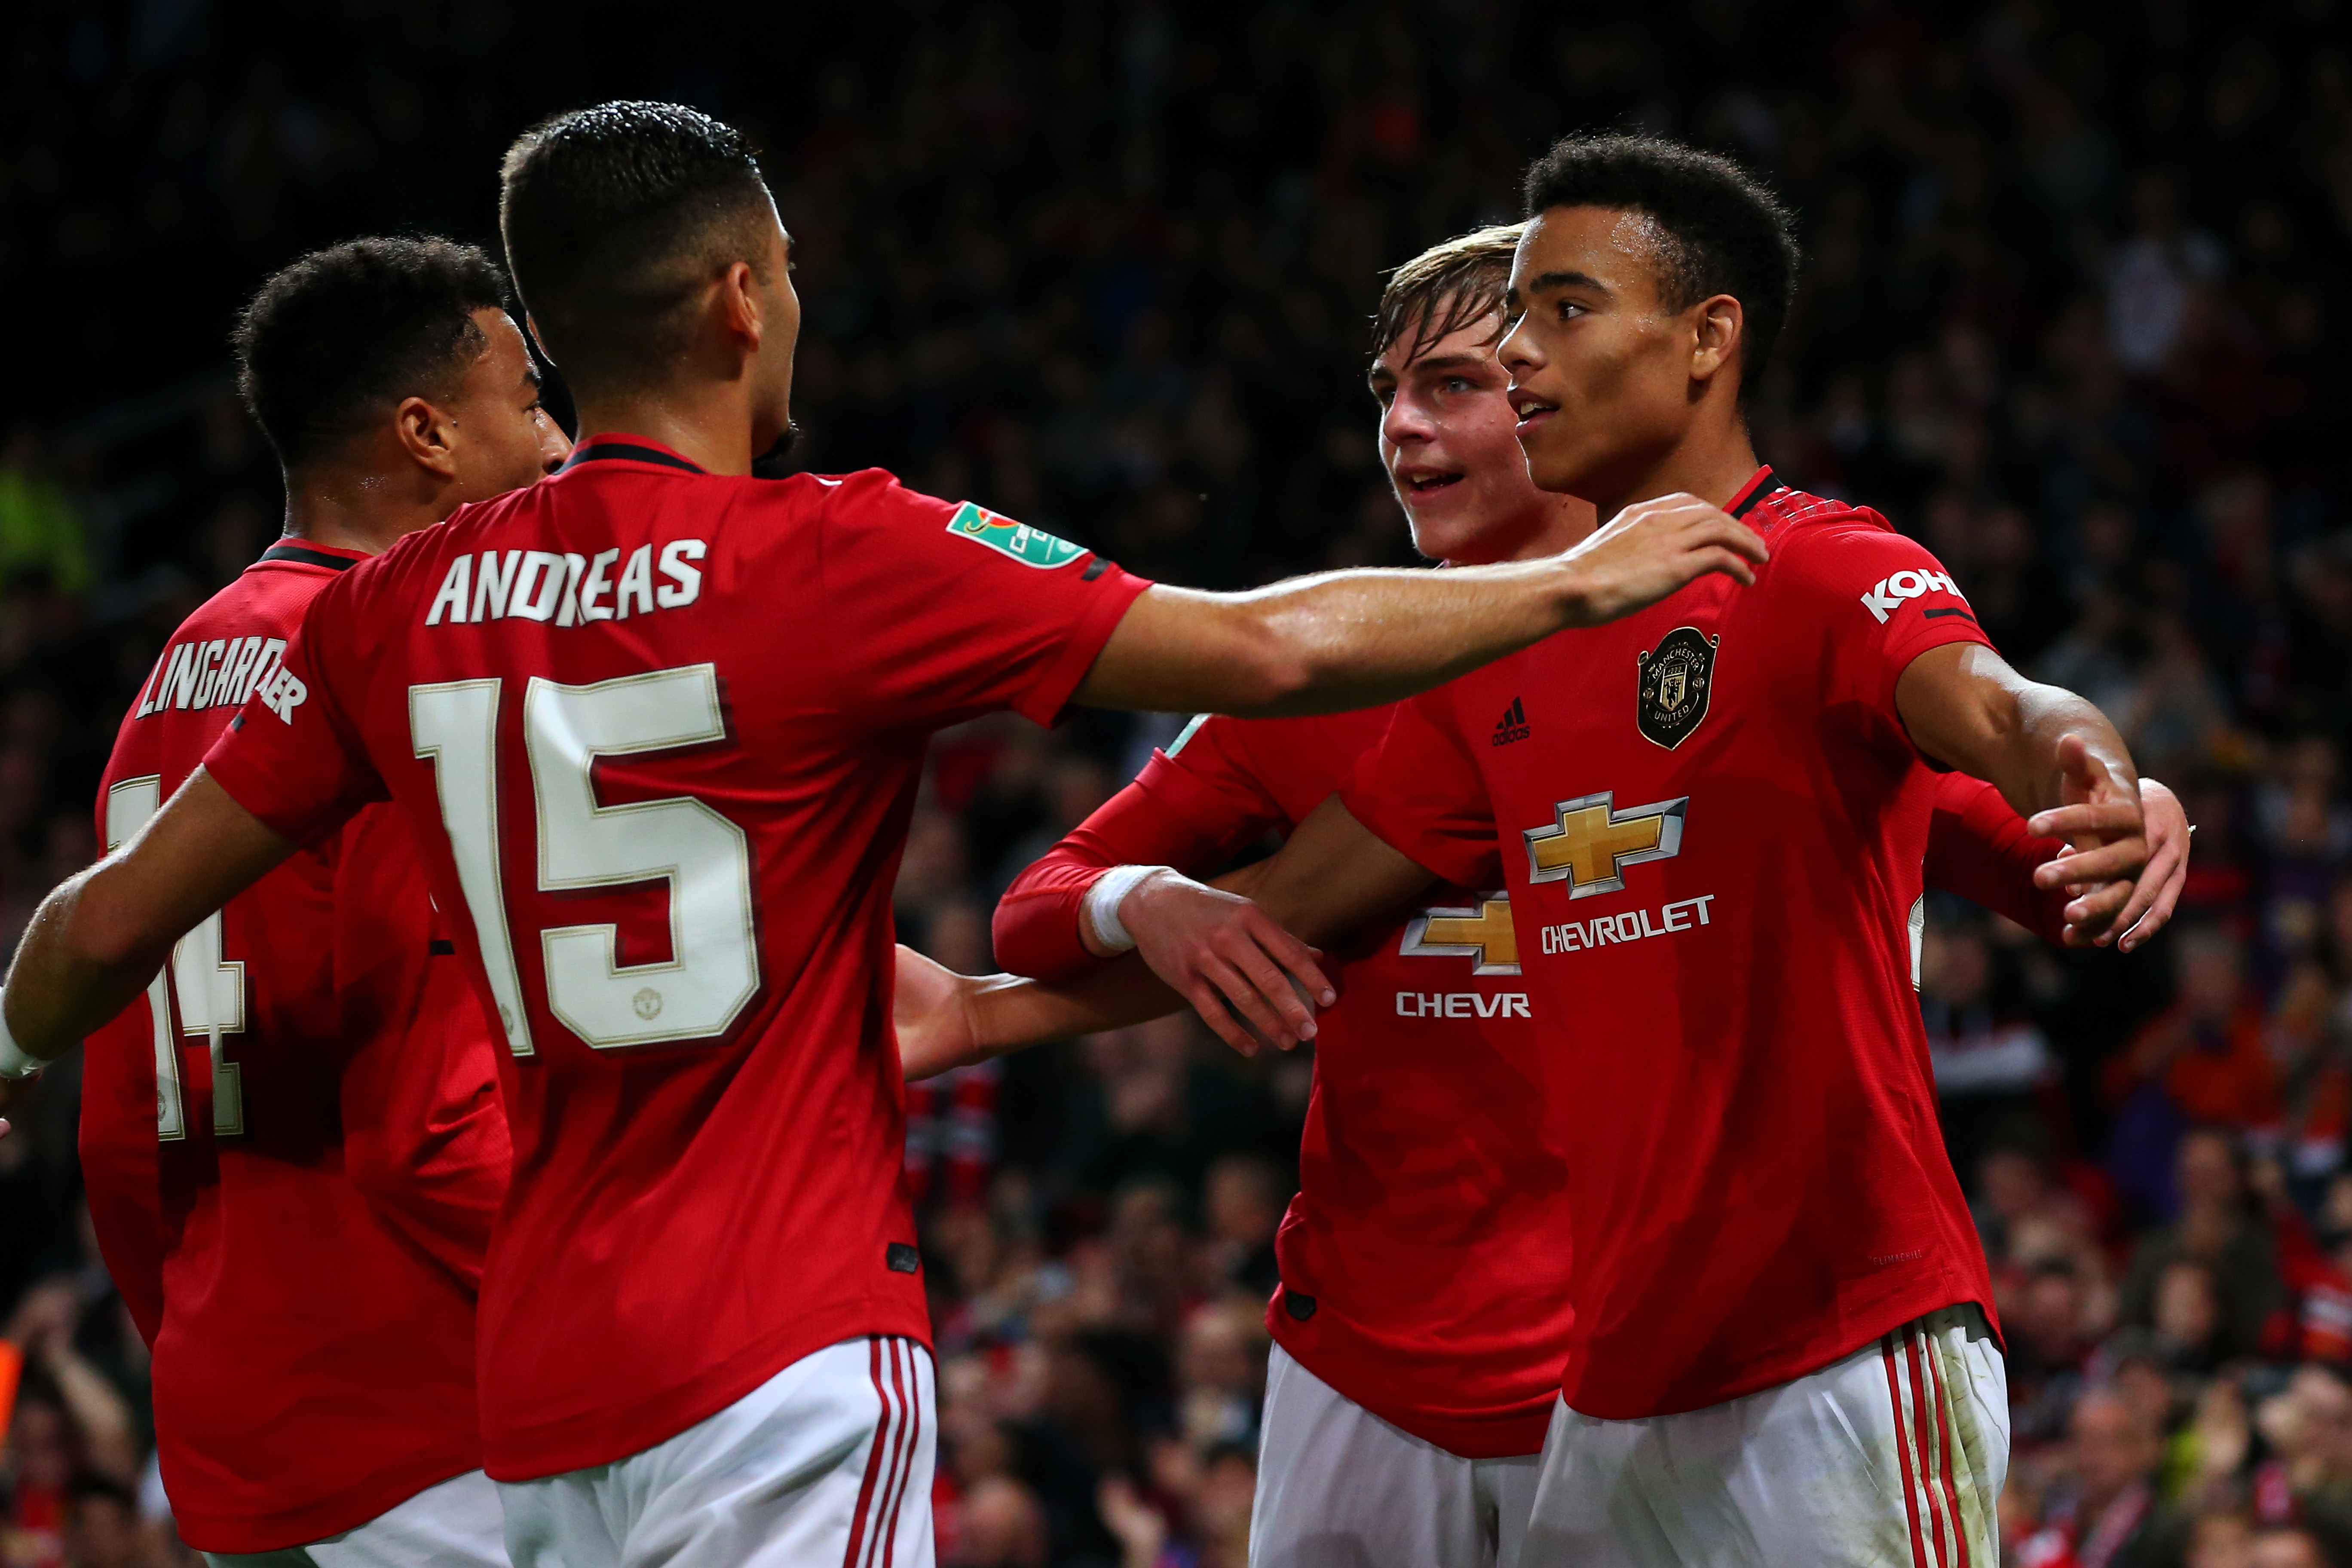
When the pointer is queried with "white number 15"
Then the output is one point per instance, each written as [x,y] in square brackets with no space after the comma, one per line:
[713,970]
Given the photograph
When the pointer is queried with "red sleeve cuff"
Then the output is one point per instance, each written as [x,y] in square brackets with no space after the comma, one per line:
[247,782]
[1046,699]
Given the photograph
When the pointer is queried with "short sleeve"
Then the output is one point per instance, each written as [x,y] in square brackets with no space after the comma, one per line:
[1421,791]
[1881,599]
[941,611]
[292,755]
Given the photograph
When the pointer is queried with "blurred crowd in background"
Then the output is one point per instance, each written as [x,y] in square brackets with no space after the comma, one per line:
[2076,276]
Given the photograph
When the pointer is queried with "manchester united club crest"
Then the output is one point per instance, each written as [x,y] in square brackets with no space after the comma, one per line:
[1676,676]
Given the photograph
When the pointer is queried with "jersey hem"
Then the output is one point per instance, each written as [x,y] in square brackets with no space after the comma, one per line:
[605,1435]
[244,1533]
[1787,1366]
[1506,1433]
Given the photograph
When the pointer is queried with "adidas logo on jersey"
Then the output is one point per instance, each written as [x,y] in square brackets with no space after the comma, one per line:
[1512,726]
[1890,592]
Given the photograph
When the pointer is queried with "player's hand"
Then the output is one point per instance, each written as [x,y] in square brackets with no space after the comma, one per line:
[2157,891]
[1250,980]
[2106,827]
[1654,547]
[932,1006]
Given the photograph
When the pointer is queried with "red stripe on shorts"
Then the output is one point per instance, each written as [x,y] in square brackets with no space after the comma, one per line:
[1903,1453]
[873,1455]
[1920,1396]
[902,1449]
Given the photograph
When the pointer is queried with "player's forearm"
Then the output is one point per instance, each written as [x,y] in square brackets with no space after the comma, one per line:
[1967,709]
[1353,639]
[1010,1014]
[78,964]
[2021,758]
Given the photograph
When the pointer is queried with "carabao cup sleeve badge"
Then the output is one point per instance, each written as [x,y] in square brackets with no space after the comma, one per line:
[1675,678]
[1030,546]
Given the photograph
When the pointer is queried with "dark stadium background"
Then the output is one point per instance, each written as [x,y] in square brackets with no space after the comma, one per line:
[2075,304]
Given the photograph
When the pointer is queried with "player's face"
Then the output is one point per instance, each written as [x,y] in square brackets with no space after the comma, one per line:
[1601,370]
[1448,442]
[503,439]
[780,307]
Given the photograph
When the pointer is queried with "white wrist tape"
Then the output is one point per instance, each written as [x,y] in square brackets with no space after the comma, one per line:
[13,1062]
[1110,890]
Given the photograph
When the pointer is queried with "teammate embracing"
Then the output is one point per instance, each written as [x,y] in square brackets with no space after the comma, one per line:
[1425,1306]
[1713,838]
[295,1149]
[656,726]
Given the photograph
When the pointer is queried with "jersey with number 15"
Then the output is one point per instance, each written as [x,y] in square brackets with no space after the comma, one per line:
[658,733]
[293,1147]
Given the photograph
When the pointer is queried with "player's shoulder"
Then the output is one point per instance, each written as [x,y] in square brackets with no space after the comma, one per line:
[1781,512]
[1279,757]
[272,594]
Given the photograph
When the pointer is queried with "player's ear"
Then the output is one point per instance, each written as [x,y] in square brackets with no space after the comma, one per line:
[1719,325]
[531,326]
[739,305]
[427,435]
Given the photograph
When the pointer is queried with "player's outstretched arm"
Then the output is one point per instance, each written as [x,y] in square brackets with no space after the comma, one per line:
[1352,639]
[2046,749]
[100,937]
[946,1020]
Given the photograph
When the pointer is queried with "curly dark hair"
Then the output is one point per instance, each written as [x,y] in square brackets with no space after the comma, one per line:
[1725,232]
[612,218]
[334,341]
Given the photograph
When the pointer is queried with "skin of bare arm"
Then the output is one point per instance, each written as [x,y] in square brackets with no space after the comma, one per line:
[2046,749]
[1333,875]
[98,938]
[949,1020]
[1354,639]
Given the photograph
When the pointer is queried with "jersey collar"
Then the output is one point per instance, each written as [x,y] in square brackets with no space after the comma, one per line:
[625,448]
[1760,485]
[303,553]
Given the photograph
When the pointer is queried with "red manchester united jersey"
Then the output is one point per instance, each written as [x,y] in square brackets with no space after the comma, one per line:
[1424,1260]
[658,733]
[1712,824]
[294,1149]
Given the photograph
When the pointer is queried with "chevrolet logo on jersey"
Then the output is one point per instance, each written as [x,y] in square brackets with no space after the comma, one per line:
[1588,846]
[1484,935]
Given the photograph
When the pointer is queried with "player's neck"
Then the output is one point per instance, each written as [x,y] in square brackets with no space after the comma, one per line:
[346,512]
[709,425]
[1564,523]
[1712,463]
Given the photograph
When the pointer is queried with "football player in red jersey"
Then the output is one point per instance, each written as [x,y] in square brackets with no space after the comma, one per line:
[295,1148]
[656,726]
[1782,1349]
[1424,1309]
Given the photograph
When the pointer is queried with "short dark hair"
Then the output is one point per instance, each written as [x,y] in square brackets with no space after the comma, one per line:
[1726,233]
[613,216]
[334,341]
[1446,287]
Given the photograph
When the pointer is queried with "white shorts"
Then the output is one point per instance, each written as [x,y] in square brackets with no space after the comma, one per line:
[1893,1457]
[828,1461]
[1339,1488]
[457,1523]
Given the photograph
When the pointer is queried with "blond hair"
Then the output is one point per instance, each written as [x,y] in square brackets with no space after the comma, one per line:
[1446,287]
